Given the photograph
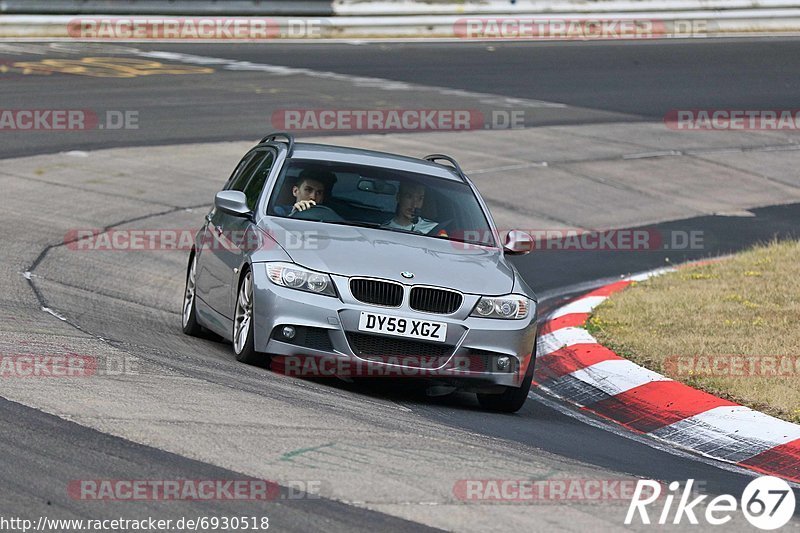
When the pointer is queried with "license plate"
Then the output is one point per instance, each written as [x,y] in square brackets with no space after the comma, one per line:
[403,327]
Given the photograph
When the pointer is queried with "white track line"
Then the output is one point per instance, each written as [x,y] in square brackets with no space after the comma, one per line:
[581,305]
[616,376]
[561,338]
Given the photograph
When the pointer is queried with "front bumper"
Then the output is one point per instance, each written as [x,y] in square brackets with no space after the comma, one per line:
[328,329]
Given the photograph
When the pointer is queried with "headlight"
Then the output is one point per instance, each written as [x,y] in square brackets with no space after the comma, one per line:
[297,277]
[512,307]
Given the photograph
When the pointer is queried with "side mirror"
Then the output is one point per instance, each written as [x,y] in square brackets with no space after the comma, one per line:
[233,203]
[518,243]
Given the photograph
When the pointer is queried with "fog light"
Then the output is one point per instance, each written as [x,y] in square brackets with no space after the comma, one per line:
[503,363]
[288,332]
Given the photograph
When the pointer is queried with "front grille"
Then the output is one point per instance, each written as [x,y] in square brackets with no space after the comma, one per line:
[377,292]
[431,300]
[399,351]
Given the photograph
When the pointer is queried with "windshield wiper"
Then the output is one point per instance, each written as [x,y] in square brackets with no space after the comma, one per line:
[464,241]
[377,225]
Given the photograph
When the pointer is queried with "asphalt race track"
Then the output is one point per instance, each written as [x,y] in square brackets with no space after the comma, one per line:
[386,455]
[601,82]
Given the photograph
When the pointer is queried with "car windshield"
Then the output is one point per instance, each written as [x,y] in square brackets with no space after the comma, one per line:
[380,198]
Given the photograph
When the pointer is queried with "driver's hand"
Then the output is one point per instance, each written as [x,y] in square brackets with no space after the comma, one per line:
[302,205]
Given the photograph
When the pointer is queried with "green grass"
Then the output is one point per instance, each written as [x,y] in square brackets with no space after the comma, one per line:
[746,308]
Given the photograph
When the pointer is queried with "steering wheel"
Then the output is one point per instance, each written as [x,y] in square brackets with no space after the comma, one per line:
[319,213]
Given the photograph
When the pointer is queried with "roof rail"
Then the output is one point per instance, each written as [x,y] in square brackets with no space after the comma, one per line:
[433,158]
[272,137]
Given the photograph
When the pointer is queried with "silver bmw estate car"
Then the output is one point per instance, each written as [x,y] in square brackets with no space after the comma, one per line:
[367,260]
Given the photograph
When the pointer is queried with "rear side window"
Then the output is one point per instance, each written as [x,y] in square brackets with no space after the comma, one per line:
[256,184]
[240,181]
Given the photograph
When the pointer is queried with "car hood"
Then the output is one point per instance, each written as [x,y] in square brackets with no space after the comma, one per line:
[353,251]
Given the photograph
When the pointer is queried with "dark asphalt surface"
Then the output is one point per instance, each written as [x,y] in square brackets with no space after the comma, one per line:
[38,484]
[599,82]
[642,79]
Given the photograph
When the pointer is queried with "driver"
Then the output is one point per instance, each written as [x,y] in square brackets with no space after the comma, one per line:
[410,198]
[308,191]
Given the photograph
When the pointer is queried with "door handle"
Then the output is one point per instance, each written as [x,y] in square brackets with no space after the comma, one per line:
[219,230]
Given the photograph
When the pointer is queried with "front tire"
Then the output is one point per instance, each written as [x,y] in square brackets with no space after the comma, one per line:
[243,336]
[189,314]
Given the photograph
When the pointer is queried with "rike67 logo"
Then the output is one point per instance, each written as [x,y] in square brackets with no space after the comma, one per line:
[767,503]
